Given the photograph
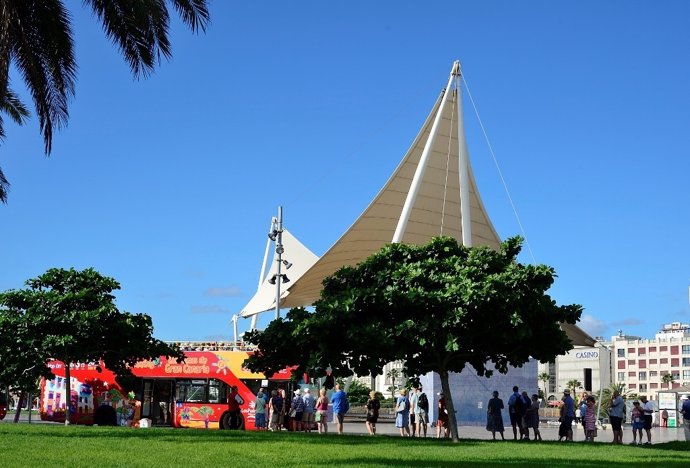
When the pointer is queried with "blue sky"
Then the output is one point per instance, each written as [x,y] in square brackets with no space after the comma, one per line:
[168,184]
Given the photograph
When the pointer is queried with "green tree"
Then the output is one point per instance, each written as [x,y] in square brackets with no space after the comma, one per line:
[37,41]
[438,308]
[606,394]
[71,316]
[544,377]
[573,385]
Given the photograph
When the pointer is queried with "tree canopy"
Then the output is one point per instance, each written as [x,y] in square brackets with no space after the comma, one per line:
[37,40]
[71,316]
[438,307]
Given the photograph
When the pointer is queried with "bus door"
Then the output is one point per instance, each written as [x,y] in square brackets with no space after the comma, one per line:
[157,400]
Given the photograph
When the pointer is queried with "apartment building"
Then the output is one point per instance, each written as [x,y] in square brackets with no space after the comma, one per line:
[642,363]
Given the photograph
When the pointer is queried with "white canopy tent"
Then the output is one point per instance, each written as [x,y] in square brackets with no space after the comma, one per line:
[432,192]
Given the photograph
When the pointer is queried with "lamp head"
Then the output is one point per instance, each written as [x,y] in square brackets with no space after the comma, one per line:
[287,264]
[272,280]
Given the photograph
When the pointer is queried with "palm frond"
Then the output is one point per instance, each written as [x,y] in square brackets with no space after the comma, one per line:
[194,13]
[4,187]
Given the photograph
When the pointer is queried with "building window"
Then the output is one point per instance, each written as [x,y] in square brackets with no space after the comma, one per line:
[663,361]
[632,386]
[653,385]
[631,350]
[621,364]
[652,362]
[686,349]
[653,373]
[663,349]
[642,364]
[675,374]
[674,350]
[652,349]
[642,376]
[674,362]
[632,374]
[621,376]
[686,362]
[686,374]
[621,352]
[631,362]
[641,351]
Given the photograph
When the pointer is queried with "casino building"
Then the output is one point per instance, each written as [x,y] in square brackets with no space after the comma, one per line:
[591,366]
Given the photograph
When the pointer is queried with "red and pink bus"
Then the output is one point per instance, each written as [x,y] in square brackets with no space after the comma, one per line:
[189,394]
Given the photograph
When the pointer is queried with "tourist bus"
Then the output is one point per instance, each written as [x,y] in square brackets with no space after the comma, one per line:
[193,393]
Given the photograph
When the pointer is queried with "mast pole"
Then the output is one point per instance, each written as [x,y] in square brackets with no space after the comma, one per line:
[262,275]
[423,161]
[463,168]
[279,257]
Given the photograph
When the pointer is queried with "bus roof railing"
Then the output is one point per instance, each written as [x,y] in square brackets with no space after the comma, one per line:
[214,345]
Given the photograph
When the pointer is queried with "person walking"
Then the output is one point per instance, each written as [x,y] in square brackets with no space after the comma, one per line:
[322,412]
[568,415]
[402,413]
[373,406]
[340,406]
[616,411]
[647,418]
[494,416]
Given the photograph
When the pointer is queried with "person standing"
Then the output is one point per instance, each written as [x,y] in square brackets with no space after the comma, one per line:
[589,419]
[297,411]
[260,411]
[402,413]
[422,412]
[526,423]
[616,411]
[494,416]
[373,406]
[234,402]
[276,407]
[442,422]
[664,418]
[308,416]
[340,407]
[516,411]
[322,412]
[568,415]
[413,411]
[685,411]
[533,417]
[647,417]
[637,420]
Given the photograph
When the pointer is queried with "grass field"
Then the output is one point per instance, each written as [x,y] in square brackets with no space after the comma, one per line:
[25,445]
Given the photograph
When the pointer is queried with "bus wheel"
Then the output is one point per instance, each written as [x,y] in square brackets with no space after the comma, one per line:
[225,421]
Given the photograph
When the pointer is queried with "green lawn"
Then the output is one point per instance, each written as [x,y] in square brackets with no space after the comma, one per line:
[39,445]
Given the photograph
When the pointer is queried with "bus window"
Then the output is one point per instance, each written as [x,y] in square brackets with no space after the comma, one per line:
[192,391]
[217,391]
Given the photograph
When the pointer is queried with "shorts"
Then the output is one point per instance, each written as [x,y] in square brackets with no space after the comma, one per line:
[260,420]
[276,418]
[339,417]
[422,417]
[298,416]
[308,417]
[616,423]
[647,421]
[515,419]
[638,425]
[412,418]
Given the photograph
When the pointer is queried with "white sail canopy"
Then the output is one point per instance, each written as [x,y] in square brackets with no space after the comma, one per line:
[301,258]
[436,209]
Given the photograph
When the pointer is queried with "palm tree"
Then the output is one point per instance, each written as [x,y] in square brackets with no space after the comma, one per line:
[15,109]
[668,379]
[627,394]
[544,377]
[394,375]
[36,37]
[573,385]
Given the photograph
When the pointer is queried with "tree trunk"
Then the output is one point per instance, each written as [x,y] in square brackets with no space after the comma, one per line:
[452,422]
[19,407]
[68,394]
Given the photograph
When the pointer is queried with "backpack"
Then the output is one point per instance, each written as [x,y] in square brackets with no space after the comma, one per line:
[519,405]
[423,402]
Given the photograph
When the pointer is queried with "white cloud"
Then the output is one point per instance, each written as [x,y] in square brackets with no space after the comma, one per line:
[230,291]
[592,325]
[212,309]
[630,321]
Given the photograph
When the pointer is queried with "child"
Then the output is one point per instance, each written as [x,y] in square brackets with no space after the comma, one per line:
[590,419]
[637,422]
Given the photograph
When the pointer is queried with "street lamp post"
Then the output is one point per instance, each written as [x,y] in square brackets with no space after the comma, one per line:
[279,256]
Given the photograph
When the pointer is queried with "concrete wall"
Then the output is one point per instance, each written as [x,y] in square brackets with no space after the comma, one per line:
[471,393]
